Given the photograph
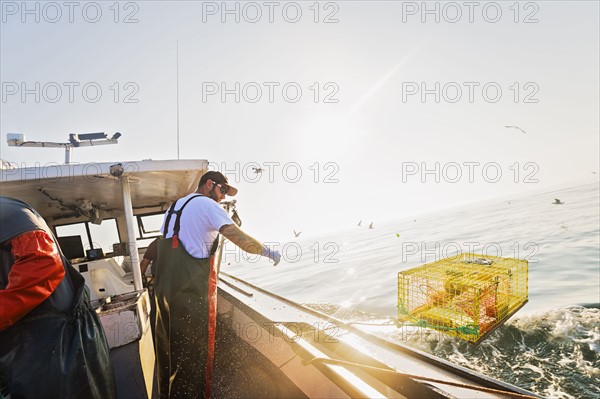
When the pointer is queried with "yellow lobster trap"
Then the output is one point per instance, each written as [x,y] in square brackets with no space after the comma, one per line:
[467,295]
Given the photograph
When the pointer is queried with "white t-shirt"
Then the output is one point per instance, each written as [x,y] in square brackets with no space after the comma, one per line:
[199,226]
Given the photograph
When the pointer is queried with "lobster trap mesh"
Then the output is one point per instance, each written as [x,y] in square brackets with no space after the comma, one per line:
[467,295]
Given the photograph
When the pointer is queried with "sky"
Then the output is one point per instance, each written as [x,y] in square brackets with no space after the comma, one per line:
[355,110]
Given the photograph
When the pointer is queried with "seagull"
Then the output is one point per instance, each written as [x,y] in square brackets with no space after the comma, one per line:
[516,127]
[257,170]
[371,225]
[557,202]
[359,223]
[297,234]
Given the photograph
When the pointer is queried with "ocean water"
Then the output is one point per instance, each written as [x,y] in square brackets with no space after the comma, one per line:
[551,346]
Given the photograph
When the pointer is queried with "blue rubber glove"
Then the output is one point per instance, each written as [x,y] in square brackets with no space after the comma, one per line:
[272,254]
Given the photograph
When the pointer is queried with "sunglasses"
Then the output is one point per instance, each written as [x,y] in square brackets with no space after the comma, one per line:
[222,189]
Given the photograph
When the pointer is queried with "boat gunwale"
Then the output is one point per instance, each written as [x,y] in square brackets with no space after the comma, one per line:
[443,364]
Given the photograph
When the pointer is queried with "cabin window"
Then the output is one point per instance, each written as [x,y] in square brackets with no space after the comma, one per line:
[149,228]
[93,236]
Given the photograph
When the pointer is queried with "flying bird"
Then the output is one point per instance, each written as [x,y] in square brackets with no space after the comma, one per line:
[371,225]
[359,223]
[516,127]
[557,202]
[297,234]
[257,170]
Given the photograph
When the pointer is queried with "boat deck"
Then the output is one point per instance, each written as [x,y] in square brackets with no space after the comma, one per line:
[243,372]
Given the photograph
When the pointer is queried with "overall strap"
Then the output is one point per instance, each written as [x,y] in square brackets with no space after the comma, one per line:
[169,214]
[177,225]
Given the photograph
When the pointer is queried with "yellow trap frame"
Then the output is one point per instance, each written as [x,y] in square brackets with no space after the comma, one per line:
[467,295]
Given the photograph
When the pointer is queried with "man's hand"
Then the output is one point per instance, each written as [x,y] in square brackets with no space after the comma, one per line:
[272,254]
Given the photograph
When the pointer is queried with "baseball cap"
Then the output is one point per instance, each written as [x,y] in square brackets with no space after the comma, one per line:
[218,178]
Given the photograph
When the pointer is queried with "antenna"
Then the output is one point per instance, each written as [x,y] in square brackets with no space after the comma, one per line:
[75,140]
[177,59]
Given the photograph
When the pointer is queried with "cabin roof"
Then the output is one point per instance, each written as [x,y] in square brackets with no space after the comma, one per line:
[63,191]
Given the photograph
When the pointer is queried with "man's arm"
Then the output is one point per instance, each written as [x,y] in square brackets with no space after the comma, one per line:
[149,256]
[144,265]
[34,276]
[241,239]
[249,243]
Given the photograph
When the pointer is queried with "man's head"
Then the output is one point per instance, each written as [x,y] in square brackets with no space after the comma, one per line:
[214,184]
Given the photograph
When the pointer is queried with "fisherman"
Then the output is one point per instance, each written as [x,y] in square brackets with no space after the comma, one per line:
[51,341]
[150,258]
[186,286]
